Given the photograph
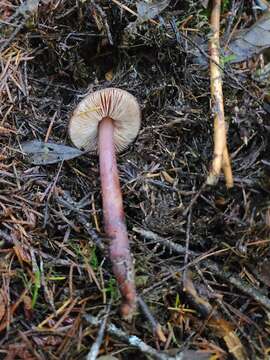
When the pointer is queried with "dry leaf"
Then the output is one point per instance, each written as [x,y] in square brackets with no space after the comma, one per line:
[27,302]
[22,254]
[249,42]
[243,45]
[150,9]
[109,75]
[42,153]
[225,330]
[234,346]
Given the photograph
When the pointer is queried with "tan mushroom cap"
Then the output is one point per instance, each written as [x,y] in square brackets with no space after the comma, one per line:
[115,103]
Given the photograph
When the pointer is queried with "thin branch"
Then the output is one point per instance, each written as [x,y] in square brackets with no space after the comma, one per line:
[221,155]
[194,199]
[216,269]
[137,343]
[157,329]
[239,283]
[188,236]
[92,355]
[149,235]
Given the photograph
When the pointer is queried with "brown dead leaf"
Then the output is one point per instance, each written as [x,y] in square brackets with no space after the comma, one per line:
[225,330]
[109,75]
[22,254]
[221,202]
[220,326]
[235,346]
[2,306]
[27,302]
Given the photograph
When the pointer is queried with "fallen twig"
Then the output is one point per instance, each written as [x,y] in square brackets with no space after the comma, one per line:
[239,283]
[92,355]
[218,270]
[187,241]
[194,199]
[149,235]
[157,329]
[137,343]
[221,158]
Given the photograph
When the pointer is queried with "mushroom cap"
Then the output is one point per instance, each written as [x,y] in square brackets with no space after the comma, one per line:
[119,105]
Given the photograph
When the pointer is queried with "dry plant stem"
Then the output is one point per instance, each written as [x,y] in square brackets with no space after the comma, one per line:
[114,218]
[216,92]
[226,165]
[220,157]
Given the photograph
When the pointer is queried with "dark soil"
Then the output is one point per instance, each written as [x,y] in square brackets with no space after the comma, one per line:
[54,261]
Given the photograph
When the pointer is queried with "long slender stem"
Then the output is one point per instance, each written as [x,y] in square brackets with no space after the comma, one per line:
[216,91]
[114,218]
[221,157]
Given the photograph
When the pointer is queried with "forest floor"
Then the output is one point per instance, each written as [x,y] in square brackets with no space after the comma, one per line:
[201,253]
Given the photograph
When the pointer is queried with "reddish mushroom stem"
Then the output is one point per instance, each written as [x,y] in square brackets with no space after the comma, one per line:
[114,218]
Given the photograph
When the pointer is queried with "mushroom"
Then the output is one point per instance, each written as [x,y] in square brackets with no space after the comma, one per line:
[108,121]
